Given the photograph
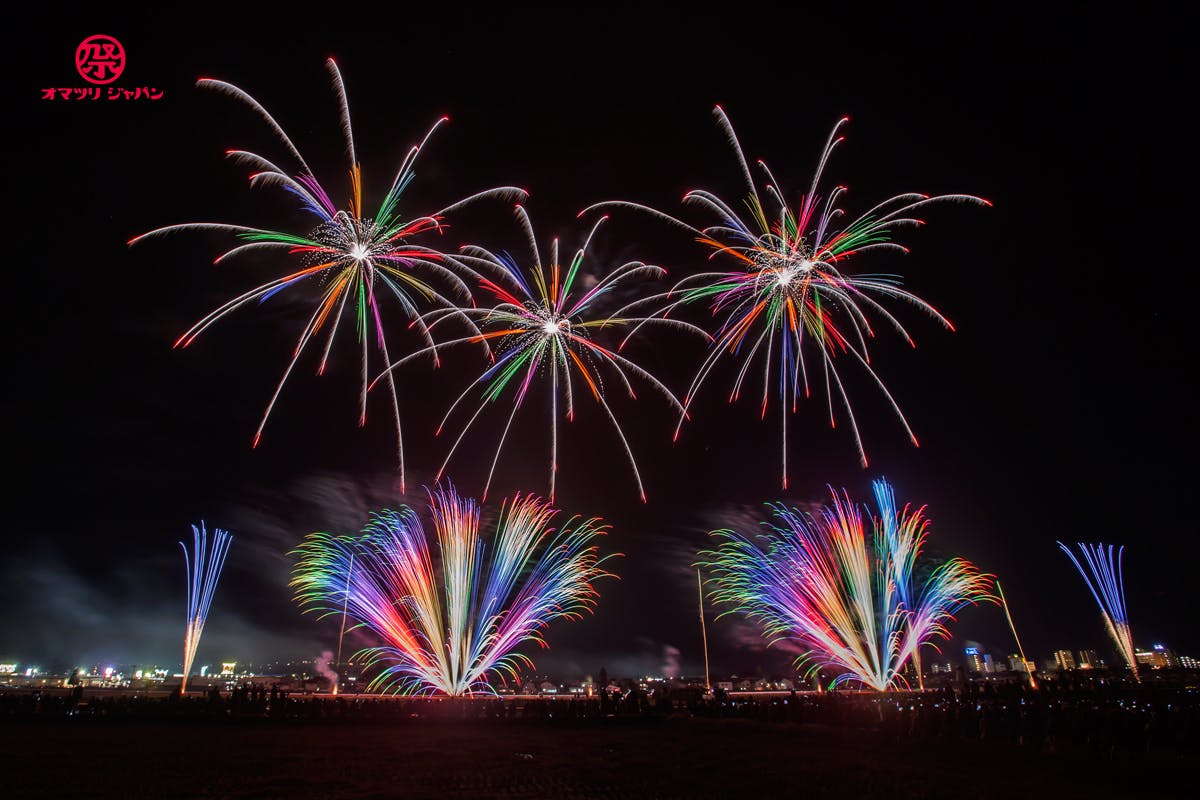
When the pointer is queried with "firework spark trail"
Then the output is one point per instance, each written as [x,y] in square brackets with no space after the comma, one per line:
[1104,579]
[356,260]
[1013,627]
[454,626]
[203,569]
[540,327]
[788,291]
[854,604]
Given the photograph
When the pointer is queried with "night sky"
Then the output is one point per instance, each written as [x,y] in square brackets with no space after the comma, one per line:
[1056,411]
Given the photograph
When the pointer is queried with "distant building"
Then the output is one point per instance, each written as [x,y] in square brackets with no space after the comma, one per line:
[1149,658]
[1064,659]
[1089,660]
[1187,662]
[978,662]
[1169,655]
[1018,664]
[1159,657]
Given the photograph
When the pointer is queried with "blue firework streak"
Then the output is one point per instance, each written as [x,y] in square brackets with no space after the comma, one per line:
[1103,578]
[203,569]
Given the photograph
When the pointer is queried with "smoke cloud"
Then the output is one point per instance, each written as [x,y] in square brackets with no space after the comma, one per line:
[670,664]
[323,668]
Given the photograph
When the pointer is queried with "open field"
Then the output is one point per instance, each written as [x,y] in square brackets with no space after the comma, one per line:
[664,757]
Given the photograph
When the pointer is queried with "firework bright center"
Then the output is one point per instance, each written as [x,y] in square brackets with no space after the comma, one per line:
[551,327]
[791,270]
[359,251]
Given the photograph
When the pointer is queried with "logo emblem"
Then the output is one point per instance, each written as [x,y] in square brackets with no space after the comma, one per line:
[100,59]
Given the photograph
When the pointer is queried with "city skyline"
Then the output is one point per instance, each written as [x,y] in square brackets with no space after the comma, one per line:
[971,657]
[972,661]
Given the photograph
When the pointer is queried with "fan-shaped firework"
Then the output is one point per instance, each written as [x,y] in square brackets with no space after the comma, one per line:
[1103,577]
[543,329]
[856,605]
[203,571]
[357,260]
[788,290]
[452,627]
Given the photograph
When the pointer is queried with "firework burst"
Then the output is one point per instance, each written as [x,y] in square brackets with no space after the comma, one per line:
[356,259]
[452,626]
[855,605]
[1104,579]
[788,291]
[542,328]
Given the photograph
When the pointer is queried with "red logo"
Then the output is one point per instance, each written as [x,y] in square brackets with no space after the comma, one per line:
[100,59]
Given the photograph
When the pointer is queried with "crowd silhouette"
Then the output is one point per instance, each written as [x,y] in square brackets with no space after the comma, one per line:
[1105,718]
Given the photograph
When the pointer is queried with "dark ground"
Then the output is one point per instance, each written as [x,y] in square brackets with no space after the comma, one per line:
[629,758]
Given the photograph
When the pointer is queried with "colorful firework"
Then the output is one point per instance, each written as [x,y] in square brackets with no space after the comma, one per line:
[1103,577]
[855,605]
[203,571]
[355,259]
[453,627]
[543,329]
[788,291]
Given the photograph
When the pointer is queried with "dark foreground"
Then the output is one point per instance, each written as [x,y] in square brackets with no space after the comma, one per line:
[662,756]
